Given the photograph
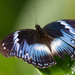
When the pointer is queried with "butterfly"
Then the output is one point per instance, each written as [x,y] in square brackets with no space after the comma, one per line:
[37,47]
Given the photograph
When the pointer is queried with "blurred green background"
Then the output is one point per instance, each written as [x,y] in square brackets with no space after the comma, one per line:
[13,17]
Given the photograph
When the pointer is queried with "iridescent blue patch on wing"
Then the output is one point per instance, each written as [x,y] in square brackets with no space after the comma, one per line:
[68,33]
[61,48]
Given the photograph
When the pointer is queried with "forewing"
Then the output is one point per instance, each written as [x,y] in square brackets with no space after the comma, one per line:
[24,44]
[63,32]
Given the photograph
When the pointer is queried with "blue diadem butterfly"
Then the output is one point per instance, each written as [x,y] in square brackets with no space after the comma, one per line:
[38,46]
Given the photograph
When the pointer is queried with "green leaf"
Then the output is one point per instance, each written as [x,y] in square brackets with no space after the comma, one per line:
[63,67]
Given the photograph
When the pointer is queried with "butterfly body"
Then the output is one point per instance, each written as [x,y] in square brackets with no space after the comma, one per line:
[38,46]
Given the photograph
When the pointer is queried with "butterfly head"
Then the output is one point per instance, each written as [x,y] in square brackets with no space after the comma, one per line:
[37,27]
[39,31]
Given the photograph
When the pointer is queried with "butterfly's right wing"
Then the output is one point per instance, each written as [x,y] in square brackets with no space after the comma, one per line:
[63,32]
[26,45]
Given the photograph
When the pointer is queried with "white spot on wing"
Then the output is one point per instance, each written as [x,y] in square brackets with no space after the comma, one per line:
[26,56]
[4,47]
[53,62]
[74,52]
[46,64]
[72,41]
[29,61]
[39,64]
[34,63]
[3,44]
[72,56]
[50,63]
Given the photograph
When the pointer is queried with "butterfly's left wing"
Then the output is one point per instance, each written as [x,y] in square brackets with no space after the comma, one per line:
[27,44]
[63,32]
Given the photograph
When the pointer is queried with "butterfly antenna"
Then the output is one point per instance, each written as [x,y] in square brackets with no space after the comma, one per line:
[30,15]
[35,16]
